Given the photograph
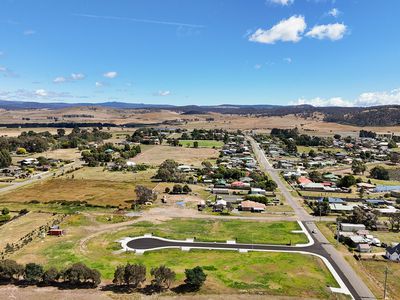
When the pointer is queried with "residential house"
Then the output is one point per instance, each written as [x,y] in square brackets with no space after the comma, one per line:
[252,206]
[29,162]
[393,253]
[257,191]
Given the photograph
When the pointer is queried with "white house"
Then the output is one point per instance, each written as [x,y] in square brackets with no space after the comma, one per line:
[257,191]
[185,168]
[393,253]
[29,162]
[130,164]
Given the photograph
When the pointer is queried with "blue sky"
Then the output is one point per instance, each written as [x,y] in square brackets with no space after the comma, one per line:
[205,52]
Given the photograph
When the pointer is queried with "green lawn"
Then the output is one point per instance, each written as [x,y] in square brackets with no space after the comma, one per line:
[306,149]
[222,230]
[269,273]
[202,143]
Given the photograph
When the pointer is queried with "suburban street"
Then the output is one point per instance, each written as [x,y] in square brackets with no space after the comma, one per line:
[348,275]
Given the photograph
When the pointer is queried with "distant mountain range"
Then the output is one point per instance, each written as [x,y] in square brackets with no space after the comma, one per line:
[388,115]
[12,105]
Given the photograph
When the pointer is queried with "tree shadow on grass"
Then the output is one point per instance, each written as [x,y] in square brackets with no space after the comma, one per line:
[123,289]
[184,288]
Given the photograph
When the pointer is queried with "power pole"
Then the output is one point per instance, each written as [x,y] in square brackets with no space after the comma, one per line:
[337,230]
[385,285]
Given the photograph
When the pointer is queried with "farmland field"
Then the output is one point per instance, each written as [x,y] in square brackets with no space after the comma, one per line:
[202,143]
[157,154]
[12,231]
[89,184]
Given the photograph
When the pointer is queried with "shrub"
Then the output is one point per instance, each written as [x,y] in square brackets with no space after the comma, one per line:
[195,277]
[33,272]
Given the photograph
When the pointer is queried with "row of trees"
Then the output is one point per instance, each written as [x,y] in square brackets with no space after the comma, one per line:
[178,189]
[134,275]
[203,134]
[104,154]
[36,142]
[80,275]
[77,275]
[142,135]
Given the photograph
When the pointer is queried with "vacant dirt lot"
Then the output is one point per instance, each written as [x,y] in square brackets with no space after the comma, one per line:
[157,154]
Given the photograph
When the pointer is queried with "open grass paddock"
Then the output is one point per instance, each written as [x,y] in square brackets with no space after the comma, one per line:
[228,272]
[202,143]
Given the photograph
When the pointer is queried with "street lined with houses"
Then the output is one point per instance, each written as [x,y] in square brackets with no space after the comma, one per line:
[354,283]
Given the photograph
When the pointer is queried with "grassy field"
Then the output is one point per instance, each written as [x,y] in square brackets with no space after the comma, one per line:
[228,272]
[113,219]
[69,154]
[12,231]
[387,237]
[222,230]
[202,143]
[157,154]
[100,192]
[306,149]
[376,271]
[99,173]
[89,184]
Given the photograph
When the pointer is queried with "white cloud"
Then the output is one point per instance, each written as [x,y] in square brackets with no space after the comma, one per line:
[99,84]
[379,98]
[289,30]
[363,100]
[334,12]
[332,32]
[288,60]
[163,93]
[6,72]
[41,93]
[281,2]
[73,77]
[111,74]
[35,95]
[59,79]
[77,76]
[335,101]
[29,32]
[257,66]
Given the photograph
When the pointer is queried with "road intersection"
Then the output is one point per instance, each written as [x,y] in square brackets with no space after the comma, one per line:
[348,281]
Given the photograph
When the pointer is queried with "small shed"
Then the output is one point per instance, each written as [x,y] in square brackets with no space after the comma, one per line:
[349,227]
[56,232]
[363,248]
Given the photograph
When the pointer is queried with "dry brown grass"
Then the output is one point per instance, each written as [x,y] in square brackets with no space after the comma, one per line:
[157,154]
[313,126]
[68,154]
[99,192]
[89,184]
[16,229]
